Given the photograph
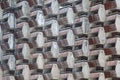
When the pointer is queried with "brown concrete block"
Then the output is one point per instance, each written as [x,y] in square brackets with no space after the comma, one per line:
[112,4]
[22,72]
[67,38]
[23,30]
[51,28]
[98,13]
[97,36]
[51,50]
[51,7]
[66,60]
[111,46]
[51,71]
[66,16]
[23,9]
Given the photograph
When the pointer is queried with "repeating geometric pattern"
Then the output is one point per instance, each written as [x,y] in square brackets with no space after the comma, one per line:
[59,39]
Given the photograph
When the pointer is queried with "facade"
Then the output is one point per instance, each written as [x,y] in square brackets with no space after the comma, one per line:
[59,39]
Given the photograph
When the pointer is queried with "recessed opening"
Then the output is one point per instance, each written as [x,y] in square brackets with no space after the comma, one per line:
[111,45]
[48,70]
[95,34]
[95,12]
[78,47]
[19,50]
[18,72]
[63,15]
[34,60]
[111,22]
[95,57]
[65,79]
[66,48]
[48,5]
[63,36]
[110,0]
[49,39]
[63,59]
[5,61]
[6,40]
[78,2]
[48,26]
[48,48]
[78,24]
[79,69]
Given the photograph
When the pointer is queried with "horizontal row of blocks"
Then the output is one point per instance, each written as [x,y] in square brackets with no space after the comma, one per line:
[85,68]
[82,71]
[63,12]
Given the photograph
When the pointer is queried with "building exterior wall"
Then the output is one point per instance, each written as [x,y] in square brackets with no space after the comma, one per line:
[59,40]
